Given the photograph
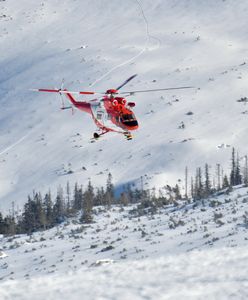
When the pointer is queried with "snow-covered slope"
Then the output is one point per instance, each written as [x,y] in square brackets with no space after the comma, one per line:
[97,44]
[189,251]
[160,278]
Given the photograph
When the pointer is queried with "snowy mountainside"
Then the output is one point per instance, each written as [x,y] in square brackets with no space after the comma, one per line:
[195,250]
[96,45]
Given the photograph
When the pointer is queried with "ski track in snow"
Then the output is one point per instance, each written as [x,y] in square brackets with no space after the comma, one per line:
[15,144]
[197,46]
[148,38]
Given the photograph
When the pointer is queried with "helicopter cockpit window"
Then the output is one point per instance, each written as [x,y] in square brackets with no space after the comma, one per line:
[128,117]
[129,120]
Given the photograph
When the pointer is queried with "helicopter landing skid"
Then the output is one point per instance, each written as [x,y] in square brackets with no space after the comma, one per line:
[96,135]
[128,135]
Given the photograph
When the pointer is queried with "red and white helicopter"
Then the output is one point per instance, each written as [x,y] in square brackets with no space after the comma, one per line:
[110,112]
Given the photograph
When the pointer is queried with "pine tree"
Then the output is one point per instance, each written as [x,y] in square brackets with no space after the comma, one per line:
[109,195]
[137,196]
[246,172]
[129,193]
[124,199]
[78,198]
[29,221]
[218,176]
[233,170]
[48,209]
[9,225]
[207,185]
[99,197]
[225,182]
[68,198]
[198,190]
[59,207]
[177,193]
[186,182]
[40,212]
[87,216]
[238,177]
[192,189]
[1,224]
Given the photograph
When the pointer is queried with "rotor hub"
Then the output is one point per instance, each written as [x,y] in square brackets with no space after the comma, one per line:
[112,91]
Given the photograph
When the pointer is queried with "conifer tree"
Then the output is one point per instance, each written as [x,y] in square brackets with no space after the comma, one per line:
[186,182]
[218,176]
[198,190]
[207,185]
[68,198]
[246,171]
[177,193]
[10,225]
[192,189]
[109,195]
[87,216]
[59,208]
[124,199]
[129,193]
[137,196]
[225,182]
[238,177]
[99,197]
[48,209]
[39,212]
[78,198]
[29,221]
[1,223]
[233,170]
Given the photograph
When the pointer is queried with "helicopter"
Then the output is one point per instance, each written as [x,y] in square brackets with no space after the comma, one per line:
[110,112]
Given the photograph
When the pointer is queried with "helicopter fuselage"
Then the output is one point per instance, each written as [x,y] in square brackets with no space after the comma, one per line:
[109,113]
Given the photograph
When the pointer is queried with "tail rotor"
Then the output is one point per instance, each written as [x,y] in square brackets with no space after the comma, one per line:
[63,107]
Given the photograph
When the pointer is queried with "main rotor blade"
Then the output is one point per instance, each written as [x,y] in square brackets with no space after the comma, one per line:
[155,90]
[64,91]
[125,82]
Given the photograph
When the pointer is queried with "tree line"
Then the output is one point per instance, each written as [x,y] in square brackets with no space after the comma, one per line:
[43,212]
[202,186]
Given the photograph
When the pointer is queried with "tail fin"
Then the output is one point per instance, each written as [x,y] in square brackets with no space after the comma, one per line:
[71,98]
[82,105]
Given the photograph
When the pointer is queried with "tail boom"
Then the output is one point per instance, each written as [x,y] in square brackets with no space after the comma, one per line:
[84,106]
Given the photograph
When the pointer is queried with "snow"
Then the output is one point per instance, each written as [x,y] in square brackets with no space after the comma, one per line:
[2,254]
[214,274]
[196,250]
[97,45]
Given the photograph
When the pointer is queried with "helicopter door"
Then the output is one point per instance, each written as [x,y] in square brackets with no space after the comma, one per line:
[103,117]
[99,115]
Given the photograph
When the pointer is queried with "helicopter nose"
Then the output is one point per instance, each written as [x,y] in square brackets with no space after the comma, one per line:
[132,125]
